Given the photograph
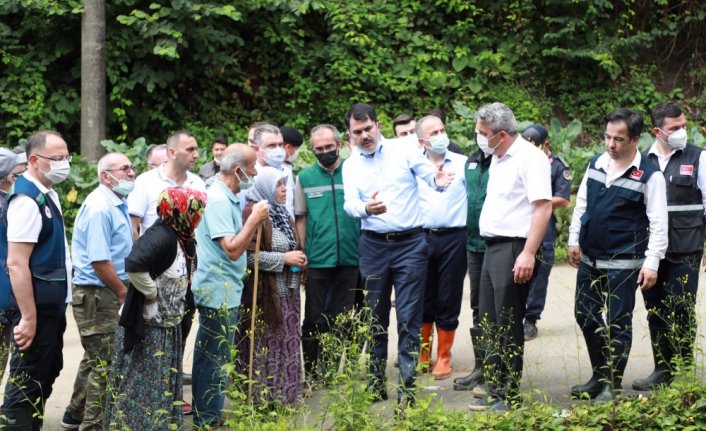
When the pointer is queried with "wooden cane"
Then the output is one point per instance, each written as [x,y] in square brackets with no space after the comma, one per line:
[253,309]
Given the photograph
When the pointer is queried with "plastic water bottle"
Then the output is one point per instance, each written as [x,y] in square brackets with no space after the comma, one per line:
[295,268]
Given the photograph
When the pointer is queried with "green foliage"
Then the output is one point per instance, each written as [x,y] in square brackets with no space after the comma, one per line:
[216,66]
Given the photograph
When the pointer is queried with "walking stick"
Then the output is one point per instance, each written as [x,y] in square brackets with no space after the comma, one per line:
[253,309]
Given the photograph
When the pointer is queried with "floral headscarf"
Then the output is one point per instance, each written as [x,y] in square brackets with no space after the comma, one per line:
[181,208]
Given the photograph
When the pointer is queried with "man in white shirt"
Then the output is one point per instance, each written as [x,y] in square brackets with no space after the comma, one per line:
[39,265]
[269,145]
[617,237]
[512,222]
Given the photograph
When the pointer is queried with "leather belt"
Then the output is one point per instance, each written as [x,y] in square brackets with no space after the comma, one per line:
[492,240]
[393,236]
[441,231]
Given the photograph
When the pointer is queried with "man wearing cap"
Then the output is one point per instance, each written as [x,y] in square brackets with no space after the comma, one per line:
[671,302]
[210,169]
[444,222]
[101,241]
[292,140]
[380,187]
[513,220]
[12,165]
[561,194]
[617,237]
[39,265]
[330,240]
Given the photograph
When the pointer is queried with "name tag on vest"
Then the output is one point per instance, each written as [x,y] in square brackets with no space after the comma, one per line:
[312,195]
[472,165]
[686,170]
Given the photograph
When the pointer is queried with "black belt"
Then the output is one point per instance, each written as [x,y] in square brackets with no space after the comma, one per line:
[492,240]
[393,236]
[441,231]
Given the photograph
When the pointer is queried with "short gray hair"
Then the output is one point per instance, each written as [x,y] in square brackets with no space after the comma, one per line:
[233,158]
[498,117]
[106,163]
[321,127]
[420,123]
[260,130]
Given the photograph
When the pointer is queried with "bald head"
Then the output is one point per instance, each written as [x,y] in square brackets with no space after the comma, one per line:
[114,167]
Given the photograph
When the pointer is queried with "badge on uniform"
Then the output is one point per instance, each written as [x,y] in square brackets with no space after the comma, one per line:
[567,174]
[636,174]
[47,212]
[686,170]
[312,195]
[472,165]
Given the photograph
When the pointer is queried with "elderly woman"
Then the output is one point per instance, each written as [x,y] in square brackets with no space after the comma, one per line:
[277,362]
[145,385]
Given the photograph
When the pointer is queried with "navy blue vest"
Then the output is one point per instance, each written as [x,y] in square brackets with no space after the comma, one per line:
[47,263]
[615,224]
[684,205]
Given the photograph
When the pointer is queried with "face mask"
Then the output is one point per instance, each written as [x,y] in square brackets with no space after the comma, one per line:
[677,140]
[275,157]
[482,142]
[124,186]
[58,171]
[439,143]
[328,158]
[244,185]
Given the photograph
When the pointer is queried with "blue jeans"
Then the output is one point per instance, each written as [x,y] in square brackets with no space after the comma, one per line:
[212,351]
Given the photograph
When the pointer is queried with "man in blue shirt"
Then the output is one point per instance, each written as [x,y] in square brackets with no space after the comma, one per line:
[218,282]
[380,188]
[101,241]
[444,216]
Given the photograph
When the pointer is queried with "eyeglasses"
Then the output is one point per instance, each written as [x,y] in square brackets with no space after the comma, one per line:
[126,168]
[56,158]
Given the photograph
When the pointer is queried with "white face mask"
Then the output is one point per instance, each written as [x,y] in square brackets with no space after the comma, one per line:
[439,143]
[482,142]
[275,157]
[58,171]
[677,140]
[124,186]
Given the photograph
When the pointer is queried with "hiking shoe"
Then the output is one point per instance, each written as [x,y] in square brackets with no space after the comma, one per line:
[481,391]
[530,330]
[69,423]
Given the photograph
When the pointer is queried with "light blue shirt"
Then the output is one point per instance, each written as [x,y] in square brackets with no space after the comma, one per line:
[102,231]
[219,280]
[447,208]
[392,170]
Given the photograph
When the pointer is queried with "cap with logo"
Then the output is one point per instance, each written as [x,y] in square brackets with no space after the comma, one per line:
[536,134]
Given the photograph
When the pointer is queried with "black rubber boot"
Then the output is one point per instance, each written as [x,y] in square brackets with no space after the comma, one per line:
[596,353]
[18,420]
[612,387]
[467,383]
[310,348]
[662,352]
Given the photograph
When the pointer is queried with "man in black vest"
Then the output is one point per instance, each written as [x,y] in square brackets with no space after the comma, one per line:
[617,237]
[671,303]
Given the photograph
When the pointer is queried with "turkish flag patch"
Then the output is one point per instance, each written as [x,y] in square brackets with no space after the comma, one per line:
[686,170]
[636,174]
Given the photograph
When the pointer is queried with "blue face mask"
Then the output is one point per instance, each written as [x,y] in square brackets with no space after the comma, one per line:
[439,143]
[124,186]
[249,181]
[275,157]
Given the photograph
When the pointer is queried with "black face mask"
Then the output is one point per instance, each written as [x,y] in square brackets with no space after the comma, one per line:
[328,158]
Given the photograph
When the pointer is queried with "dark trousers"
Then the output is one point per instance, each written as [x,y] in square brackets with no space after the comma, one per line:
[672,300]
[475,265]
[446,270]
[32,372]
[188,319]
[502,310]
[329,292]
[538,289]
[404,265]
[606,290]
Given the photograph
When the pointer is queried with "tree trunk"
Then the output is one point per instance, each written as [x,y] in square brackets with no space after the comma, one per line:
[93,79]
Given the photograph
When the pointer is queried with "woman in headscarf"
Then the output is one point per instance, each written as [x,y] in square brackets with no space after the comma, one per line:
[145,386]
[277,360]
